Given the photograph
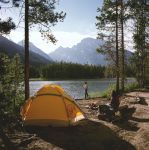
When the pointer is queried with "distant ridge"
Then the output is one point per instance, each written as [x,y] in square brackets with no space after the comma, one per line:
[12,48]
[36,50]
[82,53]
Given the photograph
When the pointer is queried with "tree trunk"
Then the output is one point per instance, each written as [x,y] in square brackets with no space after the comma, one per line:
[142,27]
[122,50]
[26,51]
[117,51]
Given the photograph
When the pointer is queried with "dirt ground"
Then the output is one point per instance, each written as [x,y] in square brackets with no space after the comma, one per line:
[90,134]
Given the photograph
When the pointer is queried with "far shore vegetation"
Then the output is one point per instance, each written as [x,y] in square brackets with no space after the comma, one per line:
[66,71]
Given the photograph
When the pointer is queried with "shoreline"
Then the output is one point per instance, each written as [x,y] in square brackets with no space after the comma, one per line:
[70,79]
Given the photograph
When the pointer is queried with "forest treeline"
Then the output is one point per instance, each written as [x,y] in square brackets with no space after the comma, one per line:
[65,70]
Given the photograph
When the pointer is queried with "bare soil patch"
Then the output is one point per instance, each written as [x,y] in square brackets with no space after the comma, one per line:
[93,133]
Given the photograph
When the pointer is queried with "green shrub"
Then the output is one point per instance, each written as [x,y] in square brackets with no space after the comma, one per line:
[107,93]
[11,84]
[131,86]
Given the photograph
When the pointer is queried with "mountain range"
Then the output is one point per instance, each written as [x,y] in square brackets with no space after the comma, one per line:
[82,53]
[12,48]
[36,50]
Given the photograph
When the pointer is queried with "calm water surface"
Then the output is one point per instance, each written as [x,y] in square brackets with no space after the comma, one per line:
[75,87]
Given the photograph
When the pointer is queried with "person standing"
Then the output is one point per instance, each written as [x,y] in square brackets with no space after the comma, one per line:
[85,86]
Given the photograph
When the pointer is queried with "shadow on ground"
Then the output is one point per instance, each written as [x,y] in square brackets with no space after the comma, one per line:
[88,135]
[140,119]
[125,120]
[6,143]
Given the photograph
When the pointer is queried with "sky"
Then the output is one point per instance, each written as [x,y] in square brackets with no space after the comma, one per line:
[79,24]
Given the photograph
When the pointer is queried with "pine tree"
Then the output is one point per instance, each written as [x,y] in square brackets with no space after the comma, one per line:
[110,25]
[6,26]
[140,15]
[41,14]
[107,26]
[11,84]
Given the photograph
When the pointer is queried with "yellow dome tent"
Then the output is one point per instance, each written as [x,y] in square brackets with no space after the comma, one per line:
[51,106]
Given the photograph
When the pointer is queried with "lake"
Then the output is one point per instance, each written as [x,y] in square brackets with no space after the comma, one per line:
[75,87]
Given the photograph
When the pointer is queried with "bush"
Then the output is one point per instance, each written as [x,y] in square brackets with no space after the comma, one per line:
[107,93]
[11,84]
[131,86]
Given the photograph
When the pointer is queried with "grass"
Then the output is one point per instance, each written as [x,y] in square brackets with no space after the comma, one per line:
[94,94]
[107,93]
[131,86]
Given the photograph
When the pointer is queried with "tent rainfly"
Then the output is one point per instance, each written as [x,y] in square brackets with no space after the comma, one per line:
[51,106]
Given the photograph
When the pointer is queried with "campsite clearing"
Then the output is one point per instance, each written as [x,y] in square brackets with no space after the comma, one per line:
[90,134]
